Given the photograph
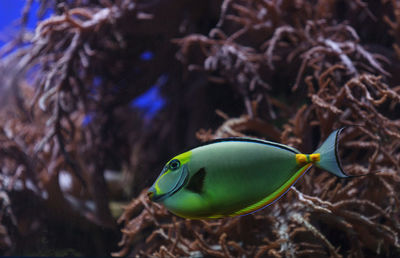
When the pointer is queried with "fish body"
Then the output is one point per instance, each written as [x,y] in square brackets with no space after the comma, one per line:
[236,176]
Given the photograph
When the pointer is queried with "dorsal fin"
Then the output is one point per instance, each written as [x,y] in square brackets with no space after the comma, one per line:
[196,182]
[248,139]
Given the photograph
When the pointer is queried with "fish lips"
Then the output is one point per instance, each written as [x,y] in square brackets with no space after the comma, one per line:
[152,193]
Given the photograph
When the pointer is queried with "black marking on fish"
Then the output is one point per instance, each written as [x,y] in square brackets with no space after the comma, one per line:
[253,140]
[337,152]
[196,182]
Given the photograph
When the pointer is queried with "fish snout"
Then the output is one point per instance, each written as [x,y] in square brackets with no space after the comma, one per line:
[150,194]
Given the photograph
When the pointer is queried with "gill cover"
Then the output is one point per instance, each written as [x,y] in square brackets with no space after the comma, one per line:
[172,178]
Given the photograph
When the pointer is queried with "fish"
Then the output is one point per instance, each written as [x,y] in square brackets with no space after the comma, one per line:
[237,176]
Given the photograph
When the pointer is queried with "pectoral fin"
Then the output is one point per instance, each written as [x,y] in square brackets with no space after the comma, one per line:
[196,182]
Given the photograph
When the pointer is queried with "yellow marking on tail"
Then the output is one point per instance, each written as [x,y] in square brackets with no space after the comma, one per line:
[303,159]
[315,157]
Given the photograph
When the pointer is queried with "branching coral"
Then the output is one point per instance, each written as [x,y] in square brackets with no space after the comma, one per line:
[71,35]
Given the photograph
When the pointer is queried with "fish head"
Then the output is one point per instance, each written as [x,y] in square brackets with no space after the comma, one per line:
[172,178]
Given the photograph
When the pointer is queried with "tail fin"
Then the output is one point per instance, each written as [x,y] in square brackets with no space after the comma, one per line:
[329,159]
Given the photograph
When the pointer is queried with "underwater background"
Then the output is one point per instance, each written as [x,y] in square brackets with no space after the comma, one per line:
[96,95]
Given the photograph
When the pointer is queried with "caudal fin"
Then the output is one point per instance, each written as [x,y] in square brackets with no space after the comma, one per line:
[329,159]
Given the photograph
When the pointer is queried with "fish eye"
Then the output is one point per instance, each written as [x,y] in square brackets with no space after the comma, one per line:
[174,164]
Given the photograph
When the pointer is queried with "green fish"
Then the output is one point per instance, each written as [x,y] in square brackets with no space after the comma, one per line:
[236,176]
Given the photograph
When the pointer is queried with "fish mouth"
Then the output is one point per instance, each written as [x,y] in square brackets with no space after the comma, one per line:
[152,193]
